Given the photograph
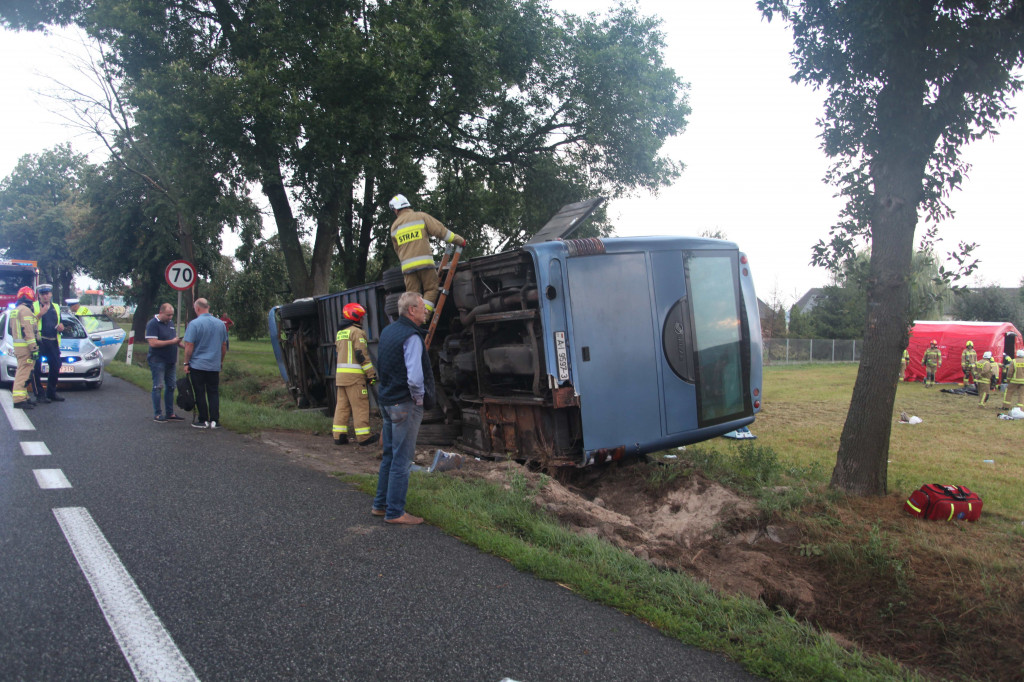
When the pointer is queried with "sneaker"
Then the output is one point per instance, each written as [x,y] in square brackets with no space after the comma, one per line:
[175,418]
[200,425]
[160,418]
[214,425]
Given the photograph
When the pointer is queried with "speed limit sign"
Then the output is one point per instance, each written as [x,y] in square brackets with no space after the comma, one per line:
[180,275]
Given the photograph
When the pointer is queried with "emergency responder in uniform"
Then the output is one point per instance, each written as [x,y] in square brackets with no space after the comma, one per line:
[81,311]
[932,360]
[968,359]
[49,328]
[26,349]
[410,234]
[353,371]
[986,377]
[1014,394]
[903,364]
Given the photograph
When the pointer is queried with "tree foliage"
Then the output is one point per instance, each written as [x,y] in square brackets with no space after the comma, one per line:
[908,84]
[492,113]
[41,205]
[990,304]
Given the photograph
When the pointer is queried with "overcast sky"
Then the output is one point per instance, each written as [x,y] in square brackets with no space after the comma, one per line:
[753,166]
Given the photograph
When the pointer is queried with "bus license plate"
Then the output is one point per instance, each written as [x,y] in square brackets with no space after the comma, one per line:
[561,356]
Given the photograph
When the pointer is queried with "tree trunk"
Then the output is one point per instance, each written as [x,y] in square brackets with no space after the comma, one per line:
[861,462]
[145,308]
[288,232]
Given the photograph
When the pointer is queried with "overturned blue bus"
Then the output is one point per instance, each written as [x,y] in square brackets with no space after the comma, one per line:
[566,351]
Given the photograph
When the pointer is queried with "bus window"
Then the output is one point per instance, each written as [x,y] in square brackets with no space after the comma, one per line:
[712,282]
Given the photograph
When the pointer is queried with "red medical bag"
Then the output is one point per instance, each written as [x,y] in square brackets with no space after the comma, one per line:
[937,502]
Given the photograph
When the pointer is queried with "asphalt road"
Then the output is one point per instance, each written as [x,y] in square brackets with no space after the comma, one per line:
[185,554]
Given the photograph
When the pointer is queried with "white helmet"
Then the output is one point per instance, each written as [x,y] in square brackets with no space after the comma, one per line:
[987,355]
[1020,353]
[398,202]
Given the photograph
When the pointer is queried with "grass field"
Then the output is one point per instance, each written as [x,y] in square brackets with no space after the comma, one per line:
[942,598]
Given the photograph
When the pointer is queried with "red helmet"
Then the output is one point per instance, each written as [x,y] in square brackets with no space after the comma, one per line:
[26,292]
[353,311]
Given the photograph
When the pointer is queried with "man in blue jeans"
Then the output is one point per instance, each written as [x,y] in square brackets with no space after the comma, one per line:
[206,344]
[406,381]
[163,359]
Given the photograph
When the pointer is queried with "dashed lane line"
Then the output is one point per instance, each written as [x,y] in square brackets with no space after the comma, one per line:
[145,643]
[18,419]
[34,448]
[51,478]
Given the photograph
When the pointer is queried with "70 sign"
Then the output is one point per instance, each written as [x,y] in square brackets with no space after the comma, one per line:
[180,275]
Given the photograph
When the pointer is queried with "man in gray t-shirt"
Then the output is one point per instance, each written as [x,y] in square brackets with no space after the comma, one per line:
[206,344]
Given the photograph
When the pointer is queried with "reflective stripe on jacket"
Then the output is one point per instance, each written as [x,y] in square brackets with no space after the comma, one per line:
[1016,375]
[410,235]
[354,365]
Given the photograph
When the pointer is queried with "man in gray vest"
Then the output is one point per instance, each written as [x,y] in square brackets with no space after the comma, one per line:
[406,383]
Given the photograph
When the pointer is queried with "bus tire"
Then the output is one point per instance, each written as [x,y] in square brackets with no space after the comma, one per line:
[304,307]
[394,280]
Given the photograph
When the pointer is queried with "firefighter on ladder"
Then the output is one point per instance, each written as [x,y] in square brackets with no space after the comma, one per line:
[353,371]
[26,347]
[410,235]
[968,359]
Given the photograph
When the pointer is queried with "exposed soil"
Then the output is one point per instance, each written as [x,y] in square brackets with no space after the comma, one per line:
[695,525]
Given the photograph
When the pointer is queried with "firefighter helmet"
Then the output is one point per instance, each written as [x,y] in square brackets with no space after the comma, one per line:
[1020,353]
[353,311]
[26,292]
[934,342]
[987,355]
[398,202]
[970,344]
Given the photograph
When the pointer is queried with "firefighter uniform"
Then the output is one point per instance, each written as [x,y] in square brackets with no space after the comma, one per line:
[986,378]
[353,370]
[1014,394]
[25,346]
[932,360]
[410,234]
[903,364]
[968,359]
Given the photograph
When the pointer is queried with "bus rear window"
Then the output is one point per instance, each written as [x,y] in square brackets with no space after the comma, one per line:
[712,283]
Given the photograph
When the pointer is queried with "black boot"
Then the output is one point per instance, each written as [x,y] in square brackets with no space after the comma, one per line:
[371,440]
[23,405]
[341,440]
[55,398]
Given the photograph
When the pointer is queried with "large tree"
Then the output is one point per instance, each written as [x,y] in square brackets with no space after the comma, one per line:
[908,83]
[41,204]
[332,107]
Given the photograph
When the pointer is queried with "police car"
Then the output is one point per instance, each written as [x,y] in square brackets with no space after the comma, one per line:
[85,349]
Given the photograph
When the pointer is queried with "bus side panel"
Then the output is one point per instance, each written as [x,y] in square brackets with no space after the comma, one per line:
[680,401]
[614,341]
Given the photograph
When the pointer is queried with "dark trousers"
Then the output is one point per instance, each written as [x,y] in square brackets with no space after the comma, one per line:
[51,351]
[207,388]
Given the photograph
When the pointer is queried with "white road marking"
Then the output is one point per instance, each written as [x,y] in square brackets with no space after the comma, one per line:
[51,478]
[145,643]
[34,447]
[18,419]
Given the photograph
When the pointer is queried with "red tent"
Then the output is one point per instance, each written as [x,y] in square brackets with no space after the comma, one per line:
[1002,338]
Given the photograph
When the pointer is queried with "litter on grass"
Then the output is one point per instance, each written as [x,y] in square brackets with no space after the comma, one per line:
[742,433]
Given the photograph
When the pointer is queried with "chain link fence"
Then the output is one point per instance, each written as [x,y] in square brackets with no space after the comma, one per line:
[785,351]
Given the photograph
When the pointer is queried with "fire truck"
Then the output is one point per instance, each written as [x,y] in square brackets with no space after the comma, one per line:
[16,273]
